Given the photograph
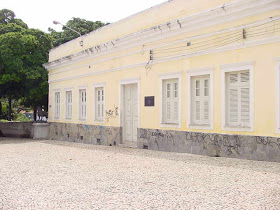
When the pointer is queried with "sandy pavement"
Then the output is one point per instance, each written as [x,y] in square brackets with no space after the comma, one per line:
[63,175]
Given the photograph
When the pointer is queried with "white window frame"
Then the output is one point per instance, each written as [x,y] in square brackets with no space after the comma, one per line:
[236,67]
[54,110]
[168,76]
[95,86]
[79,104]
[196,73]
[277,71]
[66,103]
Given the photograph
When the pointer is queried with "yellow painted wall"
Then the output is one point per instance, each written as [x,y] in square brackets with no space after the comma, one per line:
[262,55]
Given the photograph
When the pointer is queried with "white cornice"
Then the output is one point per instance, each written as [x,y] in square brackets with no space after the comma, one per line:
[100,72]
[199,71]
[224,13]
[233,65]
[179,57]
[166,44]
[222,49]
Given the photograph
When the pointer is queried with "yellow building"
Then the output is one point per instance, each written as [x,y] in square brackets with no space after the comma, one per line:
[197,76]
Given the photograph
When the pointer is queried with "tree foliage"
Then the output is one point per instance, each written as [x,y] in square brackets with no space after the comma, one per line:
[22,53]
[81,25]
[8,16]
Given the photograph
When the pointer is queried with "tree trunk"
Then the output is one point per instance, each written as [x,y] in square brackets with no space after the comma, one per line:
[0,109]
[10,109]
[35,113]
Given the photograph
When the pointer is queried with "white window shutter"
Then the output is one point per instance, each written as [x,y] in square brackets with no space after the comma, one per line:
[234,101]
[200,100]
[197,110]
[170,101]
[206,110]
[245,76]
[83,107]
[70,108]
[175,116]
[69,104]
[57,105]
[99,103]
[238,99]
[233,78]
[168,111]
[245,105]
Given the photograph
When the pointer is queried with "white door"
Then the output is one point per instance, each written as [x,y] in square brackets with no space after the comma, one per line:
[130,112]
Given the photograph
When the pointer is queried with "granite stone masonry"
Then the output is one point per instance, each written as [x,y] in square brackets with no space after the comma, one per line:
[211,144]
[16,129]
[88,134]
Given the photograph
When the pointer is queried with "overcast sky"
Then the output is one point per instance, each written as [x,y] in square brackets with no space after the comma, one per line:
[40,14]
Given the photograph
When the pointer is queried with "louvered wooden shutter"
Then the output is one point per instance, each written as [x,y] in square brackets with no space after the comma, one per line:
[245,98]
[206,100]
[68,104]
[238,99]
[57,105]
[175,101]
[170,101]
[99,103]
[200,100]
[83,100]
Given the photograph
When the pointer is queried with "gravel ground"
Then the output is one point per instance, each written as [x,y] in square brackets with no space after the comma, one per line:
[63,175]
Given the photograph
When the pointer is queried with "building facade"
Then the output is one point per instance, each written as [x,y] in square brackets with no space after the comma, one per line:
[200,77]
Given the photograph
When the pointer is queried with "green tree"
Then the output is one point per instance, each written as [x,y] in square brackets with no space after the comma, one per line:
[8,16]
[81,25]
[22,53]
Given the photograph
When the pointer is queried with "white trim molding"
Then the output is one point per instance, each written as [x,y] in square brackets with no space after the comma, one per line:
[223,13]
[231,47]
[277,71]
[56,90]
[99,85]
[135,80]
[231,68]
[166,76]
[200,72]
[159,46]
[68,89]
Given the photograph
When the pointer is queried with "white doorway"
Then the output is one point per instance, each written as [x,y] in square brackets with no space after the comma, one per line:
[129,112]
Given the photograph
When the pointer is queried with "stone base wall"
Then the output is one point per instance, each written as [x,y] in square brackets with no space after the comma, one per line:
[89,134]
[211,144]
[16,129]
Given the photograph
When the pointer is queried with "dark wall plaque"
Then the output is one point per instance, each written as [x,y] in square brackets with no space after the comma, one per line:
[149,101]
